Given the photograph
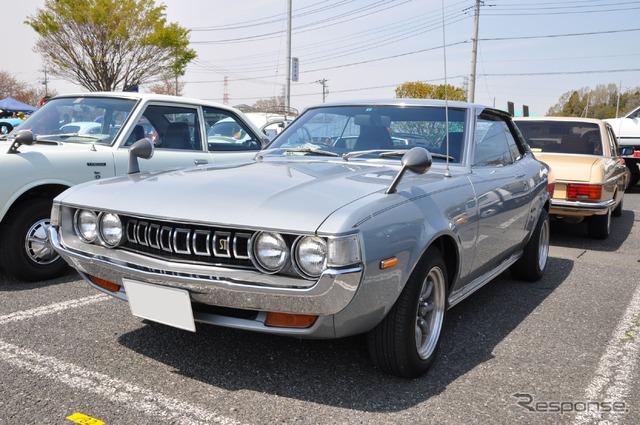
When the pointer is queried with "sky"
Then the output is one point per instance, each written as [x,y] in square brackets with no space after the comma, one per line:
[528,52]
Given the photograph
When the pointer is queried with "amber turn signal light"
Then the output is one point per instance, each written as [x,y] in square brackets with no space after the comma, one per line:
[389,262]
[109,286]
[286,320]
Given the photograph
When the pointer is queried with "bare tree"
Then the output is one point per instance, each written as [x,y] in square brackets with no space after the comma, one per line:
[167,85]
[110,44]
[19,90]
[271,104]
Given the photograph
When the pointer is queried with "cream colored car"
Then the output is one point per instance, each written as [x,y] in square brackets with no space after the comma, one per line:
[589,175]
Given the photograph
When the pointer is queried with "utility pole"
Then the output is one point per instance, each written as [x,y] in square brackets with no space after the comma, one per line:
[288,85]
[474,55]
[618,101]
[324,88]
[46,82]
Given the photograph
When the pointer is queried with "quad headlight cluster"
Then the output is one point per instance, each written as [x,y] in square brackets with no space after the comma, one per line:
[104,227]
[270,252]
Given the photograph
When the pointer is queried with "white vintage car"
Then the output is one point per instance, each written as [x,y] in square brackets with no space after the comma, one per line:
[81,137]
[627,129]
[360,217]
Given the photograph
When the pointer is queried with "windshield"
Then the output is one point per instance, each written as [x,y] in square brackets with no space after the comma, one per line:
[345,129]
[79,119]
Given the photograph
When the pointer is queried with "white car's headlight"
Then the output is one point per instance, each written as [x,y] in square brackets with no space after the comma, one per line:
[111,231]
[270,251]
[86,224]
[310,255]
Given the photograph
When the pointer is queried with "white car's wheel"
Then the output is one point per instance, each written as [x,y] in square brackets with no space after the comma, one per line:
[26,252]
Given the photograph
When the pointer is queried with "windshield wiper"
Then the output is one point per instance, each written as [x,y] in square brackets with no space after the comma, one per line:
[81,136]
[383,152]
[311,150]
[386,152]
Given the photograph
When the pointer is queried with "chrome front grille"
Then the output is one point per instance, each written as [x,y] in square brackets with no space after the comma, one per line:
[182,242]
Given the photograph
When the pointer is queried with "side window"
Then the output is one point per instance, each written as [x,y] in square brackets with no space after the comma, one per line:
[613,142]
[226,132]
[169,127]
[494,143]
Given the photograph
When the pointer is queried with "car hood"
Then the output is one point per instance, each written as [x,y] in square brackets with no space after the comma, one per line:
[55,146]
[570,167]
[293,195]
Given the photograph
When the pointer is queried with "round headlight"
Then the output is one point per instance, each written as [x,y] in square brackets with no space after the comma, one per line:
[311,255]
[270,251]
[87,225]
[111,229]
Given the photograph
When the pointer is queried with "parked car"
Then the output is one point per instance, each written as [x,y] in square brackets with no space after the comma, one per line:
[90,127]
[52,156]
[627,129]
[7,124]
[589,174]
[272,123]
[316,238]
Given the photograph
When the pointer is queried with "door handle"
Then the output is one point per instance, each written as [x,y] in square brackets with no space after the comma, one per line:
[200,161]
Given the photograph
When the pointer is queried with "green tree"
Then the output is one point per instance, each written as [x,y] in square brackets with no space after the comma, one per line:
[110,44]
[601,102]
[420,90]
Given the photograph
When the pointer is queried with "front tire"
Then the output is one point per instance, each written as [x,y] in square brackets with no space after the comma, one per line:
[406,341]
[26,252]
[531,265]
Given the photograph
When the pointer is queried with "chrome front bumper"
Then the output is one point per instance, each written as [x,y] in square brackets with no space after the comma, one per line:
[217,286]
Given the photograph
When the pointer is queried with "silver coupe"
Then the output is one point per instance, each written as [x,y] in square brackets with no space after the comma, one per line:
[360,217]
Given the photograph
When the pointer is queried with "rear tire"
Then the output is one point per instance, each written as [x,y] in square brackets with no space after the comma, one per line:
[26,252]
[531,265]
[406,341]
[599,226]
[634,176]
[618,211]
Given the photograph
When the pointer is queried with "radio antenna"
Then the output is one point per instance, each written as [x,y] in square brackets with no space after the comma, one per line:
[447,173]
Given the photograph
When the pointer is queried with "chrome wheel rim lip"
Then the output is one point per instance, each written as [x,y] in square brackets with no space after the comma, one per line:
[37,244]
[430,312]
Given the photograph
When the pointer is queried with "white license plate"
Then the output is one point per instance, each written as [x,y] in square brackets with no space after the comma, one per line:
[170,306]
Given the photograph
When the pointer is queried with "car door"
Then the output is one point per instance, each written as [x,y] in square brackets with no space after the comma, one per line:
[502,191]
[228,137]
[176,131]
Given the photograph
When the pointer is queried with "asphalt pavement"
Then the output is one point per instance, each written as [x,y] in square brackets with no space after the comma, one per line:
[561,350]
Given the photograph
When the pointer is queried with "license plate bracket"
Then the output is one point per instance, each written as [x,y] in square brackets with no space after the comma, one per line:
[169,306]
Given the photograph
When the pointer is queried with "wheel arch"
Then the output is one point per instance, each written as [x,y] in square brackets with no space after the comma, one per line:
[449,250]
[45,191]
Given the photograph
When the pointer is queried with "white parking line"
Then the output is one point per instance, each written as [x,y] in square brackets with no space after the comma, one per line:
[52,308]
[150,403]
[616,371]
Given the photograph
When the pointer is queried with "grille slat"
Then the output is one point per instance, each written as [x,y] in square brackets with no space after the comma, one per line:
[187,243]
